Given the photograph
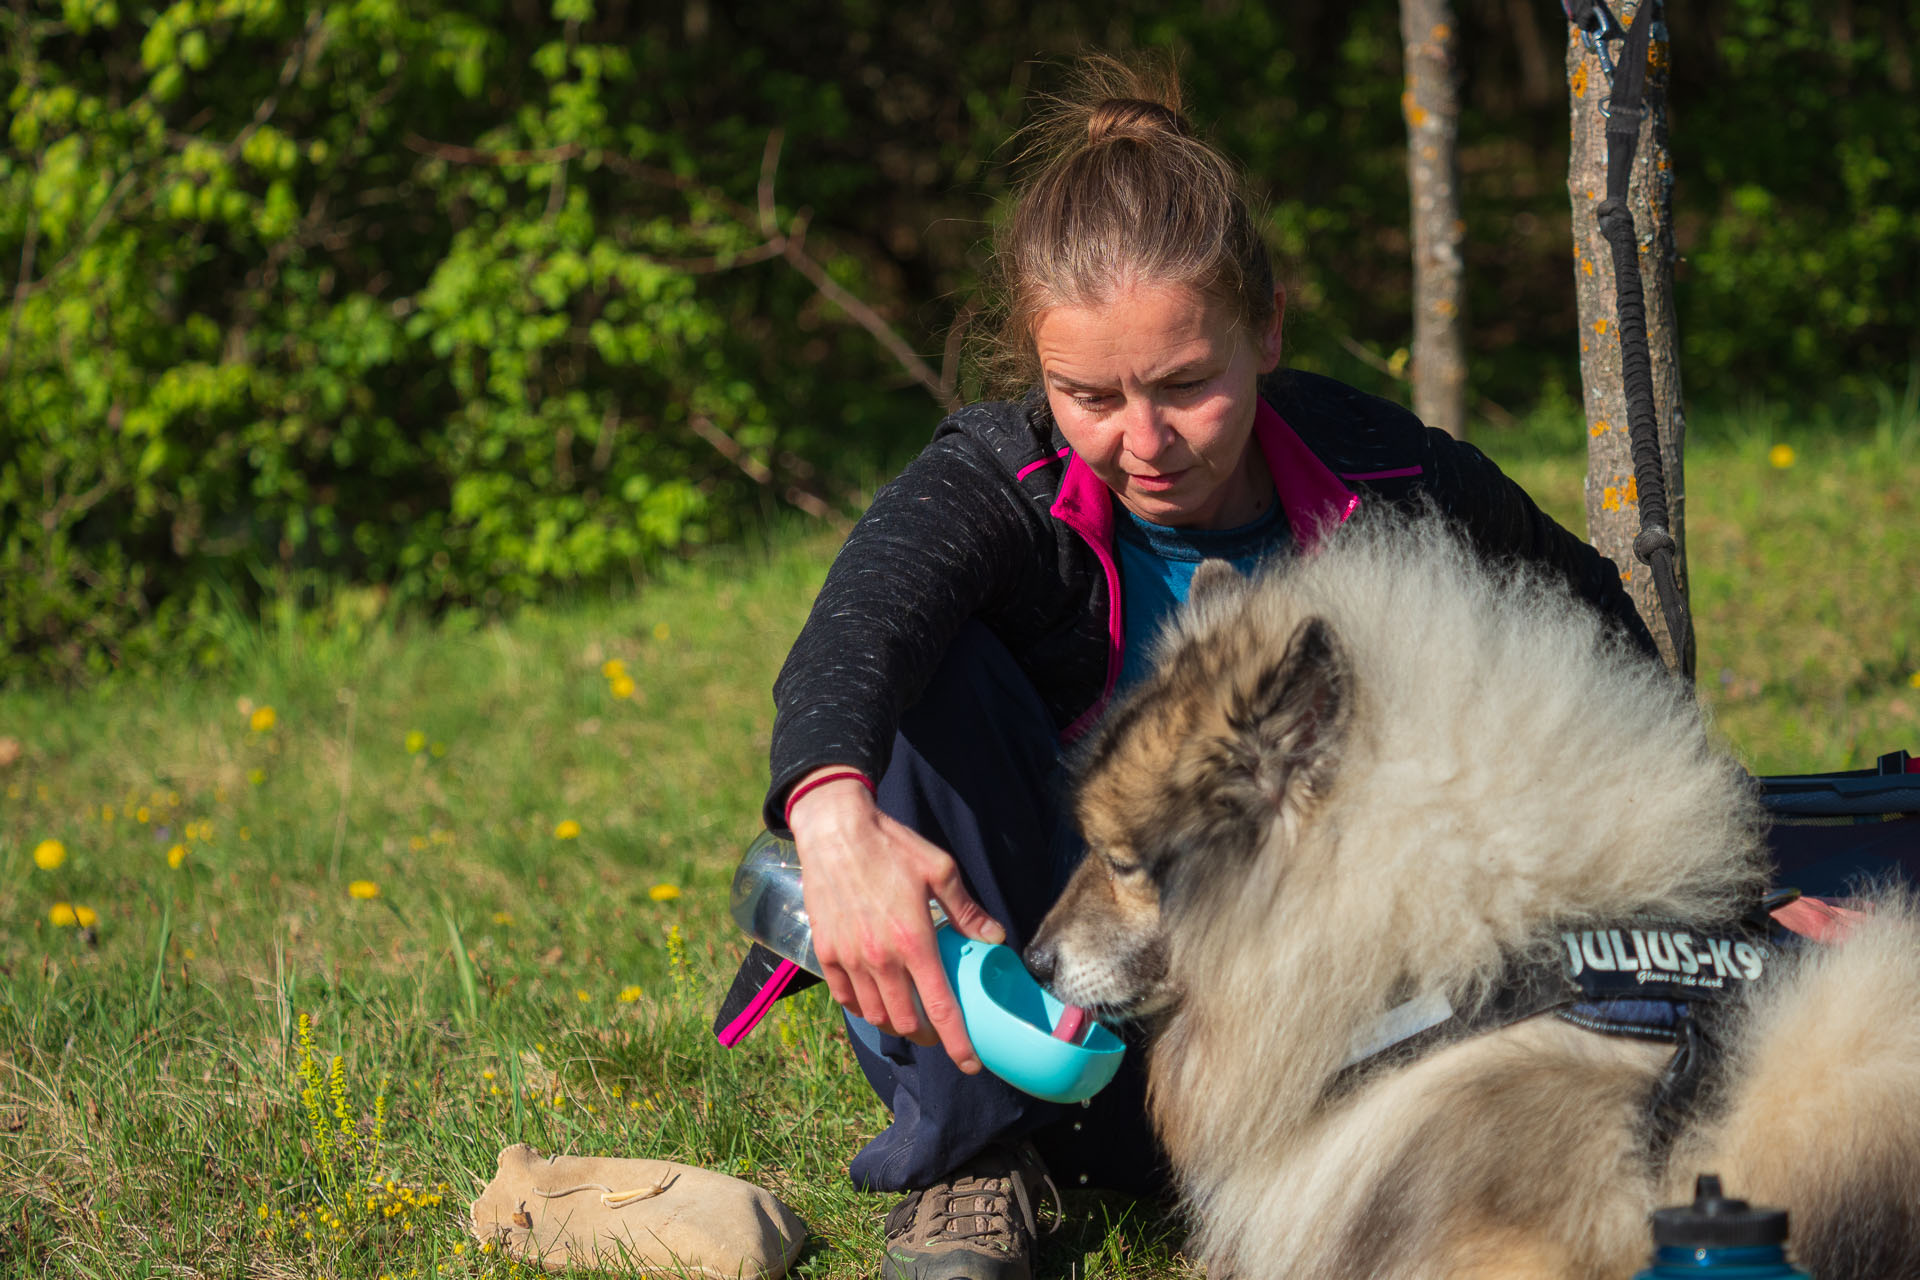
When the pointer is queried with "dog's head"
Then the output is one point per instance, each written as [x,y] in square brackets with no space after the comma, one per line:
[1230,744]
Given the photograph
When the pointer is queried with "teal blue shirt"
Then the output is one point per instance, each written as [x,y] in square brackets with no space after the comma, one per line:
[1157,565]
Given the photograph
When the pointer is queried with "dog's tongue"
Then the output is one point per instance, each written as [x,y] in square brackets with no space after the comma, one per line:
[1073,1020]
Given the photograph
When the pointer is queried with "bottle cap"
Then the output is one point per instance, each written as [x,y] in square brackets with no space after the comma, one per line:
[1713,1221]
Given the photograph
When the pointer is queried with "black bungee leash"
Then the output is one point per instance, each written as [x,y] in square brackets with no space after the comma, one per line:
[1624,108]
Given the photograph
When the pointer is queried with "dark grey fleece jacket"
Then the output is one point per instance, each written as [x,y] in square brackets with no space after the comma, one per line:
[997,519]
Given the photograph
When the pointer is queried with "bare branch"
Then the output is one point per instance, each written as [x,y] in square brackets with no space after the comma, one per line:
[790,246]
[869,319]
[1367,356]
[757,471]
[458,154]
[715,263]
[769,163]
[730,449]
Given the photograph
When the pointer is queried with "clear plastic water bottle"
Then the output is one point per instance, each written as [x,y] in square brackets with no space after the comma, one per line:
[768,905]
[1718,1237]
[1021,1033]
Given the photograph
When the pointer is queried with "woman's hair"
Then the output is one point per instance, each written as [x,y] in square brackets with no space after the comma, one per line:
[1122,193]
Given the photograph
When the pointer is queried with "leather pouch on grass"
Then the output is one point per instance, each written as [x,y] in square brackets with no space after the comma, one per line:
[635,1215]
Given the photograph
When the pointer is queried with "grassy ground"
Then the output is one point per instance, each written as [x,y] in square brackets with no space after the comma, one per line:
[486,875]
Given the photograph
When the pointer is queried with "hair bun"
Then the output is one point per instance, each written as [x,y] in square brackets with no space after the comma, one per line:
[1134,118]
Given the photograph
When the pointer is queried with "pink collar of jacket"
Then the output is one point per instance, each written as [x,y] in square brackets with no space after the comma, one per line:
[1311,496]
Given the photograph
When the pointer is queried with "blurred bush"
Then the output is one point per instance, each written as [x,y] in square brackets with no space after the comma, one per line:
[461,304]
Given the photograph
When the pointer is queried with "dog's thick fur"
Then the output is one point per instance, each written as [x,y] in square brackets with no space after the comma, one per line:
[1384,770]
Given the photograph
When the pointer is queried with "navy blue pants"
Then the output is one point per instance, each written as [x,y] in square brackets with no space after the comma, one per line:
[977,770]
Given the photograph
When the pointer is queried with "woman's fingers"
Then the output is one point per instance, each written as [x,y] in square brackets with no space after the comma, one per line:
[943,1013]
[867,880]
[968,916]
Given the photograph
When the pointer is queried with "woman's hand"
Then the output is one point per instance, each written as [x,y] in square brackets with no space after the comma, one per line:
[867,880]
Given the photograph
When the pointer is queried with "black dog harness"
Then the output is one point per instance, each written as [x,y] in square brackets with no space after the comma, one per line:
[1646,979]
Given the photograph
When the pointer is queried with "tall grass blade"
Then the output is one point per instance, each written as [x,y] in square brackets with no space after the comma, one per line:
[154,987]
[462,965]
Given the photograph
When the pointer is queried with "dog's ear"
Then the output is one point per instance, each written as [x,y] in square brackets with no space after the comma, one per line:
[1213,579]
[1292,719]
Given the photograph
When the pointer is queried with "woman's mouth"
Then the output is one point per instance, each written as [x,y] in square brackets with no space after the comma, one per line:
[1156,483]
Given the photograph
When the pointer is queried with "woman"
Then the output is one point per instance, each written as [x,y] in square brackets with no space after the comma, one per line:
[995,595]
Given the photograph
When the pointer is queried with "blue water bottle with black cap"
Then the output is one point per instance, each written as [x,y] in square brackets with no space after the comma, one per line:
[1716,1237]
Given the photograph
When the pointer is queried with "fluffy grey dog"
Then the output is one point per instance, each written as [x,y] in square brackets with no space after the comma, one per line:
[1381,777]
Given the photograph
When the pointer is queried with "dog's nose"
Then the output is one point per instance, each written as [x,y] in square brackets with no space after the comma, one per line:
[1040,962]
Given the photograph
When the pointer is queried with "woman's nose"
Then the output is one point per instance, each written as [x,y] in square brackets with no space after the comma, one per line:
[1146,434]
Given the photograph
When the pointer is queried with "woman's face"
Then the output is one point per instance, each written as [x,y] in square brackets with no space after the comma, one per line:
[1155,390]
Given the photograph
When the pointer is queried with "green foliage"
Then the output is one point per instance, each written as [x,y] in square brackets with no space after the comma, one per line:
[419,299]
[466,304]
[1805,249]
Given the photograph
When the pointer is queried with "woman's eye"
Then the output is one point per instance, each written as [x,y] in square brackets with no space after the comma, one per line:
[1087,401]
[1122,867]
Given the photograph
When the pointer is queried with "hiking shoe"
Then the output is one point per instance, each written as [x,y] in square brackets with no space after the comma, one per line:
[978,1224]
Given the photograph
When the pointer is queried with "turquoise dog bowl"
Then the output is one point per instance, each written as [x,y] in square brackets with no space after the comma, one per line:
[1011,1019]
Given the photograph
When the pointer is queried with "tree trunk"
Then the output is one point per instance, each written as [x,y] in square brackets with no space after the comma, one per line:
[1432,109]
[1613,507]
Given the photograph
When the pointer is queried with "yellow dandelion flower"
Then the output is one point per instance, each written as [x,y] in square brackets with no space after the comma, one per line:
[629,994]
[583,996]
[49,854]
[1913,681]
[502,917]
[567,830]
[262,719]
[62,915]
[416,742]
[246,833]
[664,892]
[86,917]
[621,687]
[263,1213]
[363,889]
[486,1075]
[142,815]
[661,631]
[613,668]
[1781,456]
[256,776]
[176,856]
[106,813]
[416,843]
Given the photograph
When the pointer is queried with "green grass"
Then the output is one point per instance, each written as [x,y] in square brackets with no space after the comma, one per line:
[508,984]
[1805,581]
